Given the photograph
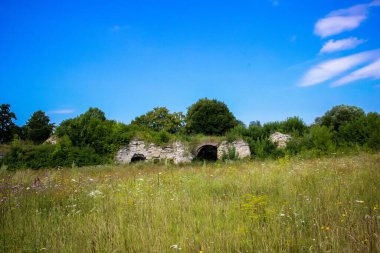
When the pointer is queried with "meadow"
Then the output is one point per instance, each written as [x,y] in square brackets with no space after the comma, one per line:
[285,205]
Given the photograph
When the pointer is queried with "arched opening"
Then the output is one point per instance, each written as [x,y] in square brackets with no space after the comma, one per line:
[207,153]
[137,158]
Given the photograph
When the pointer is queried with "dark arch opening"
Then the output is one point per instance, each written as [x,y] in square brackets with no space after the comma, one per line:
[137,158]
[207,153]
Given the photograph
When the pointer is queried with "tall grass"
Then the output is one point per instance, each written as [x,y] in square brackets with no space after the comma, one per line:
[321,205]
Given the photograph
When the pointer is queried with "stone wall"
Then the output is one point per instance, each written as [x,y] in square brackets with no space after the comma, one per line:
[241,147]
[280,139]
[177,152]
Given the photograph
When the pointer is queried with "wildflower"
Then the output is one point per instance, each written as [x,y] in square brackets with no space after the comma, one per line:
[282,214]
[175,246]
[322,228]
[95,193]
[359,201]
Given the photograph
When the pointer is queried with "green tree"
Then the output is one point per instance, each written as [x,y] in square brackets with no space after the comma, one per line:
[38,127]
[294,126]
[7,125]
[210,117]
[90,129]
[159,119]
[320,139]
[339,116]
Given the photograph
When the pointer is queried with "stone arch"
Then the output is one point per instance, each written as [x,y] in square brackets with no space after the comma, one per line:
[207,152]
[138,158]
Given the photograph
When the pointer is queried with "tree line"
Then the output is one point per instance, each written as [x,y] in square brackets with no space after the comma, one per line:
[91,138]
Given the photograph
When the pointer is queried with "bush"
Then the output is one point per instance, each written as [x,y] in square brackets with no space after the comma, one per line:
[320,140]
[23,155]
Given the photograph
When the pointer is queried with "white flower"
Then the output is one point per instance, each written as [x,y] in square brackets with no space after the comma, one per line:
[359,201]
[95,193]
[282,214]
[175,246]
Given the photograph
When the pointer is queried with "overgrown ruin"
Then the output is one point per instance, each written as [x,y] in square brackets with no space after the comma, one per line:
[178,152]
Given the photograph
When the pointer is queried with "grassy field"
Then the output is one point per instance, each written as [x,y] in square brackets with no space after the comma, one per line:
[320,205]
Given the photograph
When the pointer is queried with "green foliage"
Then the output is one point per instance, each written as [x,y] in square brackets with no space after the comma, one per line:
[339,116]
[294,126]
[91,138]
[264,148]
[320,139]
[159,119]
[23,155]
[38,128]
[7,126]
[209,117]
[90,129]
[236,133]
[230,155]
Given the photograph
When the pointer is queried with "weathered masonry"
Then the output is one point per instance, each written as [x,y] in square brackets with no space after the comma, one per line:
[178,152]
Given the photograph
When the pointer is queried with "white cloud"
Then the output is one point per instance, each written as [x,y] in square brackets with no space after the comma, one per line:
[343,20]
[329,69]
[370,71]
[62,111]
[340,45]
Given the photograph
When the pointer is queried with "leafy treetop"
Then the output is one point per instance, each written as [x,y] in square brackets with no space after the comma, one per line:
[159,119]
[209,117]
[6,123]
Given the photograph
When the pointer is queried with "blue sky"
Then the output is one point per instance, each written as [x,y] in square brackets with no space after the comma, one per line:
[267,60]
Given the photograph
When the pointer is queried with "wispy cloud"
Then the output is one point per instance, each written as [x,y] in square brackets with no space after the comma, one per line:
[329,69]
[370,71]
[343,20]
[340,45]
[61,111]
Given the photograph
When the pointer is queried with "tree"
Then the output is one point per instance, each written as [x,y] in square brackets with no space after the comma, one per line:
[38,127]
[159,119]
[7,126]
[320,139]
[210,117]
[294,125]
[340,115]
[89,129]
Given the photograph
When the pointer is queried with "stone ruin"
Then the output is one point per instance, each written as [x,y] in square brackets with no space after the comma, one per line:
[178,152]
[280,139]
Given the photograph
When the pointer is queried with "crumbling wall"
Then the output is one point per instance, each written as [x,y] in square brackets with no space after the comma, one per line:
[177,152]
